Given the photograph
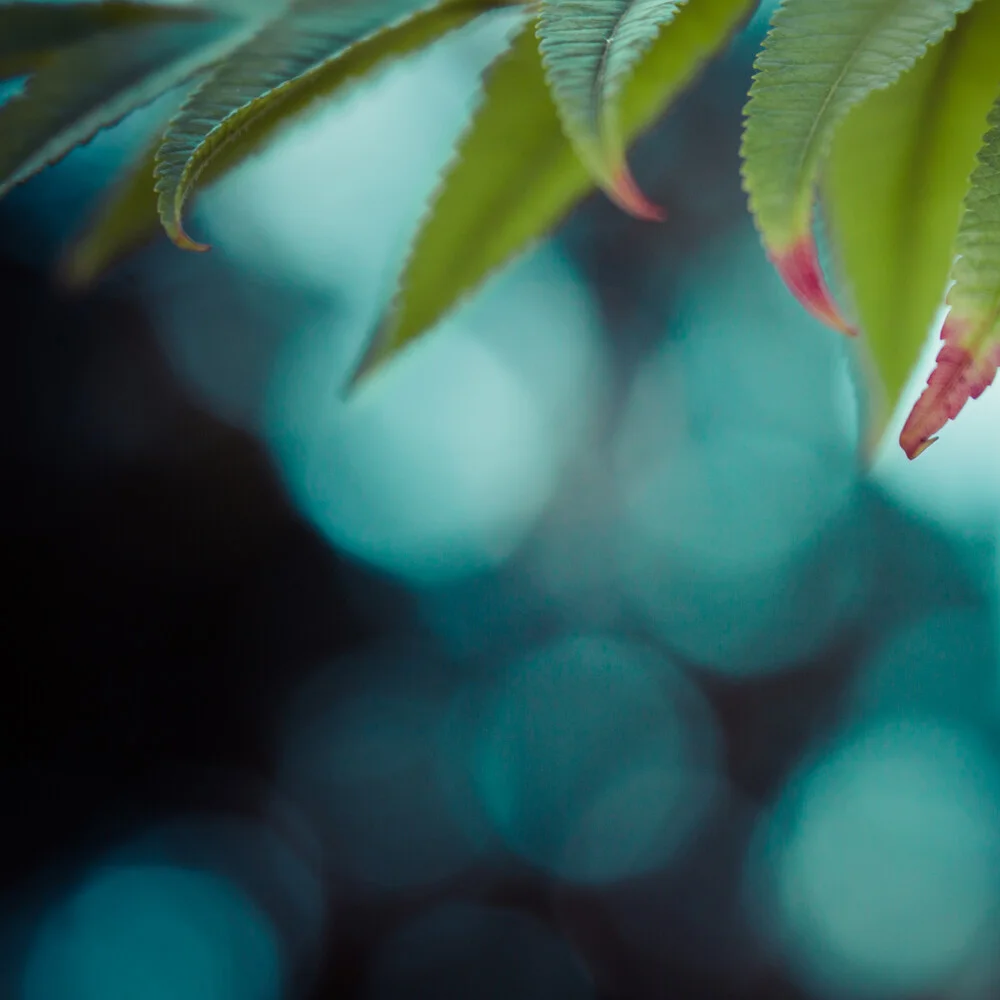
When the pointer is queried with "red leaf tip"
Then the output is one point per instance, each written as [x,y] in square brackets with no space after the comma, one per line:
[800,270]
[628,196]
[958,376]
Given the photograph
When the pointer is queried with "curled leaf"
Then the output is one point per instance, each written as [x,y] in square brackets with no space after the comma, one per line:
[967,363]
[129,216]
[304,37]
[821,59]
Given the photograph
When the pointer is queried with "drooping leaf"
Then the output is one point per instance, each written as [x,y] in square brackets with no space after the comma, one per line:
[129,216]
[94,84]
[893,189]
[31,31]
[589,49]
[515,174]
[820,59]
[967,363]
[308,34]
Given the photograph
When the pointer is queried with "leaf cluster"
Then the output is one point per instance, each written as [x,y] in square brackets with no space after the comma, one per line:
[884,113]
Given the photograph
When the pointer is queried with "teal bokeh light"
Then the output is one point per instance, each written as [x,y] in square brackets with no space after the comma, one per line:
[740,536]
[155,933]
[884,862]
[442,465]
[596,759]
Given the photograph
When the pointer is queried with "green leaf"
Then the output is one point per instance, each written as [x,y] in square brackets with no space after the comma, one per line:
[125,220]
[590,49]
[515,174]
[968,361]
[32,31]
[820,59]
[308,34]
[893,189]
[94,84]
[129,216]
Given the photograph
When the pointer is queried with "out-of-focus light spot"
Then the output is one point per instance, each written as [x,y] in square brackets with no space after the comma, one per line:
[596,760]
[377,767]
[437,472]
[743,550]
[945,663]
[740,532]
[571,554]
[957,481]
[221,330]
[743,353]
[158,933]
[457,952]
[274,859]
[884,862]
[441,466]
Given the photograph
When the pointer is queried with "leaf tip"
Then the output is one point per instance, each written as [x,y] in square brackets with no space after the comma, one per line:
[626,193]
[371,361]
[181,239]
[917,450]
[958,376]
[800,269]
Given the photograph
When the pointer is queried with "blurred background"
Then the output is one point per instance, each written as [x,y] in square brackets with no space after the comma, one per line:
[577,657]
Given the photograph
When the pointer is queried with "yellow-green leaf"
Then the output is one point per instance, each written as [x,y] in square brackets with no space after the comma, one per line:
[893,189]
[515,175]
[125,220]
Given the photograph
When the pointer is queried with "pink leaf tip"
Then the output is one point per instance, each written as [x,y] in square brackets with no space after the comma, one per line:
[182,240]
[625,192]
[958,376]
[800,270]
